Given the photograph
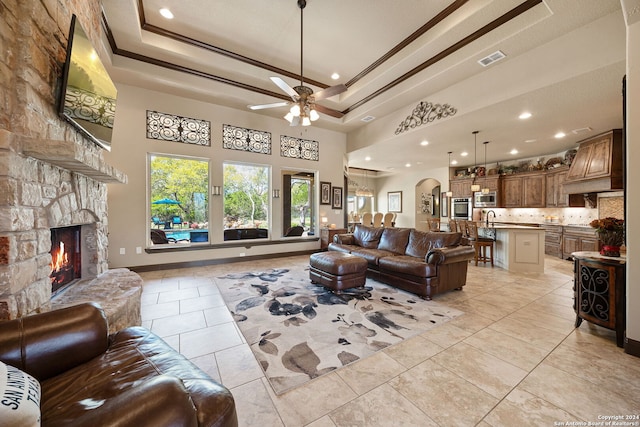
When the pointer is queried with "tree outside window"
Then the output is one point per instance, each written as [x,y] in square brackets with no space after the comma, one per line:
[246,196]
[179,189]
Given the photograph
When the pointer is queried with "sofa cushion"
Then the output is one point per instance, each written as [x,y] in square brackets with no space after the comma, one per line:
[420,242]
[19,397]
[407,265]
[394,239]
[371,255]
[367,237]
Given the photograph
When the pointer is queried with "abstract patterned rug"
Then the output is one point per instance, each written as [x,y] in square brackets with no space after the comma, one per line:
[299,331]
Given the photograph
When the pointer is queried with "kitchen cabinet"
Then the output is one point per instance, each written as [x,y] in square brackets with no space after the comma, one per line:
[326,236]
[557,197]
[578,239]
[461,187]
[553,240]
[524,190]
[600,292]
[492,182]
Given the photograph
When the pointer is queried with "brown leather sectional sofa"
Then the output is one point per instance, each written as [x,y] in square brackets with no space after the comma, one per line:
[130,378]
[425,263]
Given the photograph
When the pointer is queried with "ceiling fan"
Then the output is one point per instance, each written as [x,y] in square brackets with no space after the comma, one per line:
[304,109]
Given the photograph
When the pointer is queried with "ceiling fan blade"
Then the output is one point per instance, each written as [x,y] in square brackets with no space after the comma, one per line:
[264,106]
[329,92]
[328,111]
[285,87]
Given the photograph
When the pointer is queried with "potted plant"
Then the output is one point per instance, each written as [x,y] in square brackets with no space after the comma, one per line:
[610,232]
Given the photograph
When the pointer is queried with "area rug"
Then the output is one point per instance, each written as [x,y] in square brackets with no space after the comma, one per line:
[299,331]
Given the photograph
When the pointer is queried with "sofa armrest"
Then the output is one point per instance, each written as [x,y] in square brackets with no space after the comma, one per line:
[161,401]
[47,344]
[449,255]
[345,239]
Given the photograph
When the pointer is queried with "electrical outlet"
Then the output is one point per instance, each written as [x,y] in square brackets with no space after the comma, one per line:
[122,251]
[138,250]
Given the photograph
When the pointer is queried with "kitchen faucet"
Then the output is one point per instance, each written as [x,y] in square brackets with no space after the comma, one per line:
[494,216]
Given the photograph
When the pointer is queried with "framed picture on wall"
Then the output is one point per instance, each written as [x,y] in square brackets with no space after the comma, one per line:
[325,193]
[337,198]
[426,201]
[394,201]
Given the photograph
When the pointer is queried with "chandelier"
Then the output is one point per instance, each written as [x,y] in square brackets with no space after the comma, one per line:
[363,190]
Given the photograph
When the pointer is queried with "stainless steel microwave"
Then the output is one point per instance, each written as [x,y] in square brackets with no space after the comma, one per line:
[485,200]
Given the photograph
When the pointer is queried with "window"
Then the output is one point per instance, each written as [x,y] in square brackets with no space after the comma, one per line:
[179,199]
[246,201]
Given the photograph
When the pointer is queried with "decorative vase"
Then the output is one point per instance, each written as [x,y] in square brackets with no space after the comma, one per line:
[610,250]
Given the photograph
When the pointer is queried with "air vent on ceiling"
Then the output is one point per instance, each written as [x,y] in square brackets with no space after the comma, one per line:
[367,118]
[490,59]
[581,130]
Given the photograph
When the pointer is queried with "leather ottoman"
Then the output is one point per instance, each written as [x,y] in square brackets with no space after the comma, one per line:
[337,270]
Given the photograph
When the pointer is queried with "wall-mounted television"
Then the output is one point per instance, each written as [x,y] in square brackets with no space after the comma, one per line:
[87,96]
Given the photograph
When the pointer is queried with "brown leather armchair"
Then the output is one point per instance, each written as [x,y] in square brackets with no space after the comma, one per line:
[130,378]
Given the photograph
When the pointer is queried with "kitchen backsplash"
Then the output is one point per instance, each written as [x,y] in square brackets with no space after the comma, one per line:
[609,204]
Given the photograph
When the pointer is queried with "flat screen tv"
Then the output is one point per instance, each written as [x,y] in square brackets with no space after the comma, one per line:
[87,97]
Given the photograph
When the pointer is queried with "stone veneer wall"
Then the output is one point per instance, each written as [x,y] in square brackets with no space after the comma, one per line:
[49,175]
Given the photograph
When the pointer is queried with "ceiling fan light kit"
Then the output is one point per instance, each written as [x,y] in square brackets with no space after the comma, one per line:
[303,111]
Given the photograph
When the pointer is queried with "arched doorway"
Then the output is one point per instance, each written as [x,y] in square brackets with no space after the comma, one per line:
[427,197]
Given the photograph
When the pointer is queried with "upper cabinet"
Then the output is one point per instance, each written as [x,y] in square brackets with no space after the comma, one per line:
[598,165]
[524,190]
[461,187]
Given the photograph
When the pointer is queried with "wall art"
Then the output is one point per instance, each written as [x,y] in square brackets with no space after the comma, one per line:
[254,141]
[169,127]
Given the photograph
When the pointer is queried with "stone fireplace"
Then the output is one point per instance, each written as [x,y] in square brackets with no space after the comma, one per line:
[50,176]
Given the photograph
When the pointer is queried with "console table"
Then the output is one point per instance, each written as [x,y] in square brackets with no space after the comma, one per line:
[326,236]
[600,291]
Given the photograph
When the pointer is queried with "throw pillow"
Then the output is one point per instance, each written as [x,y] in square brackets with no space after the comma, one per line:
[19,397]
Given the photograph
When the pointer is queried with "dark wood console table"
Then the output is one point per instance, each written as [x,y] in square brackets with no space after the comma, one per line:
[600,291]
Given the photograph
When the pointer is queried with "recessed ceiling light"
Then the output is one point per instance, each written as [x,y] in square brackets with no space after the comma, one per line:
[464,154]
[454,162]
[335,76]
[530,140]
[367,119]
[408,165]
[524,115]
[560,135]
[425,142]
[367,158]
[166,13]
[514,151]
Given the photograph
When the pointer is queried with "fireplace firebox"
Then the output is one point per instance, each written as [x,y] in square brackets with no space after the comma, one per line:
[66,259]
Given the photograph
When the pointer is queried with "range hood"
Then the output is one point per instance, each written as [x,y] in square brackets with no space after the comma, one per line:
[598,165]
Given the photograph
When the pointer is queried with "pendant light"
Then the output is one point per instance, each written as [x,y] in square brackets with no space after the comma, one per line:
[474,186]
[449,193]
[485,189]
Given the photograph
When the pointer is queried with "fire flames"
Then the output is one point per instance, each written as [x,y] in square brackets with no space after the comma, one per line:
[59,260]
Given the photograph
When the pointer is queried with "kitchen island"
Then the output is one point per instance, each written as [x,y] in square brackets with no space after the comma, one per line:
[518,248]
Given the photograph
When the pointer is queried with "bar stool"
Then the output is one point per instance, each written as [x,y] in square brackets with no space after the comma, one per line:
[434,224]
[480,244]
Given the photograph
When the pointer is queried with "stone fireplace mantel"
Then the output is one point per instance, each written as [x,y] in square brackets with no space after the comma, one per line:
[72,157]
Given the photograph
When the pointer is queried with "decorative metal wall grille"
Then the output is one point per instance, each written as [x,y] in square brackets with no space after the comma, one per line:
[425,112]
[168,127]
[255,141]
[89,106]
[299,148]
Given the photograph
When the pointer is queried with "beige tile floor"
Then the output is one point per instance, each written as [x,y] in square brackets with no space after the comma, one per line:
[513,359]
